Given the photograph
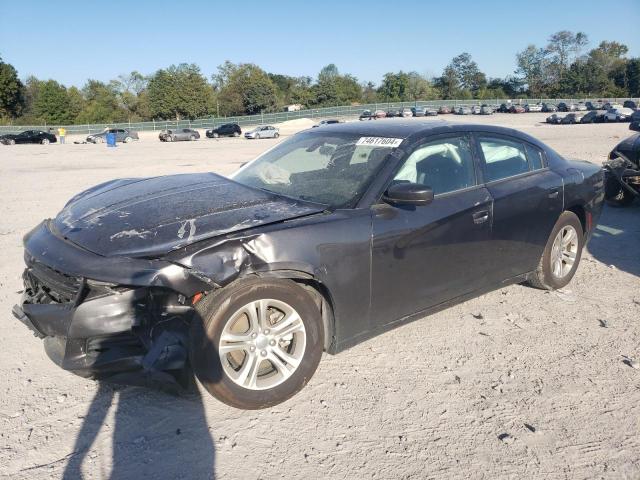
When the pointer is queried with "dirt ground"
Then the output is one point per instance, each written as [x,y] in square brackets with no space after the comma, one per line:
[519,383]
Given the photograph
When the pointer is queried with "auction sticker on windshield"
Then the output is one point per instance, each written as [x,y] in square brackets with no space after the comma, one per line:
[379,142]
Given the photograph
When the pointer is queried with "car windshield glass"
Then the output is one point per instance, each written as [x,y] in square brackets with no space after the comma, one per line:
[333,169]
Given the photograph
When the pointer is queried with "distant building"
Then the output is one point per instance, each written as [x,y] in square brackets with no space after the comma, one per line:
[293,108]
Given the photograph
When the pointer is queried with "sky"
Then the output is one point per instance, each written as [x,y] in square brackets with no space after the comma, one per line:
[71,41]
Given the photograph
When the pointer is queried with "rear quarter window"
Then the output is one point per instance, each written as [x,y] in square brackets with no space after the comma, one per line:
[535,156]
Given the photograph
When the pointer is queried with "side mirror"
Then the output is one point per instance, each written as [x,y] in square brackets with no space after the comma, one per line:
[409,194]
[635,126]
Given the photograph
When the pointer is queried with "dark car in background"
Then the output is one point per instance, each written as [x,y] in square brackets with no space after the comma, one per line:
[572,118]
[593,116]
[335,235]
[366,115]
[549,107]
[123,135]
[418,111]
[28,136]
[462,110]
[566,107]
[516,108]
[503,108]
[179,135]
[622,170]
[224,130]
[594,105]
[630,104]
[554,119]
[322,123]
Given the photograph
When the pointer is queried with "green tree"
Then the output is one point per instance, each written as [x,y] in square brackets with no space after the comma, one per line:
[532,68]
[179,91]
[51,105]
[394,87]
[101,104]
[12,91]
[245,89]
[334,88]
[633,77]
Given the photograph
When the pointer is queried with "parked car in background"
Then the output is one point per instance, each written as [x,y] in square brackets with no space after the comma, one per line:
[326,122]
[379,114]
[394,112]
[430,112]
[630,104]
[618,115]
[418,111]
[504,108]
[463,110]
[533,107]
[554,119]
[572,118]
[622,171]
[224,130]
[593,105]
[123,135]
[549,107]
[611,105]
[406,112]
[366,115]
[566,107]
[635,116]
[263,131]
[516,108]
[486,110]
[475,109]
[581,107]
[28,136]
[444,109]
[592,116]
[335,235]
[179,135]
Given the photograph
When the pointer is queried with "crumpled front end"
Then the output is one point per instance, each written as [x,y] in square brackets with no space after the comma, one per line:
[132,332]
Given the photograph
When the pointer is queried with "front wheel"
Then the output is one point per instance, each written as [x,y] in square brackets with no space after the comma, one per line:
[45,141]
[128,140]
[256,343]
[192,138]
[276,135]
[561,255]
[236,134]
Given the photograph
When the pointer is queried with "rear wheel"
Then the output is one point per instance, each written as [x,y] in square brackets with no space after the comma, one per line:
[561,255]
[276,135]
[236,134]
[215,135]
[12,142]
[44,141]
[192,138]
[128,139]
[257,136]
[98,140]
[256,343]
[168,138]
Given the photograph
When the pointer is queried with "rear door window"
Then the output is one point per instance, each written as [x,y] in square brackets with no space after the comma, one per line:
[535,156]
[503,158]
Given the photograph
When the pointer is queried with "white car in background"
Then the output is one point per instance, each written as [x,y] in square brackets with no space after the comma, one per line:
[533,107]
[406,112]
[618,114]
[263,131]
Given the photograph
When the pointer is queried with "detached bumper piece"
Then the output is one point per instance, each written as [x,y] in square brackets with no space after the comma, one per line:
[125,335]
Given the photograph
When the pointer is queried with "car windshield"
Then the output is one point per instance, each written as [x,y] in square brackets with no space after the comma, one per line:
[333,169]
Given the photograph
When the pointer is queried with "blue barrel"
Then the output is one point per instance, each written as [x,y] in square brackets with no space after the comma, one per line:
[111,139]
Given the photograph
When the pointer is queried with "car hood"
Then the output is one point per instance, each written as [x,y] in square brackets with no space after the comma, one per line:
[149,217]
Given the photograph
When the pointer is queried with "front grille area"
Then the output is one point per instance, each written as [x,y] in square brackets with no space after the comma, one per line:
[46,285]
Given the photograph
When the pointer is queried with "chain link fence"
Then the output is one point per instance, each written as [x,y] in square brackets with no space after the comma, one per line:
[279,117]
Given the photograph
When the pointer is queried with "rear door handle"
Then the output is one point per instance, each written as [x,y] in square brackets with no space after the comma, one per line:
[480,217]
[554,193]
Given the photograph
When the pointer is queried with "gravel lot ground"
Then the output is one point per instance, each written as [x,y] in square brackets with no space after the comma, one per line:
[432,399]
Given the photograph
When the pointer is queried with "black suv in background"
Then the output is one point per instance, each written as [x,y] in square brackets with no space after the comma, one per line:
[226,130]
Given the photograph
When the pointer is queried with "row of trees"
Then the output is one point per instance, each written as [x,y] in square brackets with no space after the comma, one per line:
[564,67]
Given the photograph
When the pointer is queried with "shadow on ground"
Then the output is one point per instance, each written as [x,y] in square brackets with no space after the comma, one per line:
[616,240]
[155,435]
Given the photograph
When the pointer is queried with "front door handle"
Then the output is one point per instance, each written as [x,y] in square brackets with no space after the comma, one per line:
[480,217]
[554,193]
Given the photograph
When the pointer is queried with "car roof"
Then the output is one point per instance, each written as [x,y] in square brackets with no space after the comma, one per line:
[403,128]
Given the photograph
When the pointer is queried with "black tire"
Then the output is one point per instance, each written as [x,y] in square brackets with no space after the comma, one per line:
[168,138]
[44,141]
[214,312]
[99,140]
[192,138]
[543,277]
[257,136]
[236,134]
[614,193]
[128,140]
[215,135]
[276,135]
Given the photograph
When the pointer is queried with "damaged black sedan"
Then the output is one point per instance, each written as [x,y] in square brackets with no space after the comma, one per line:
[331,237]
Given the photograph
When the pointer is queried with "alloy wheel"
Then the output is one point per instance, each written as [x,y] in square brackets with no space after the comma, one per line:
[262,344]
[564,251]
